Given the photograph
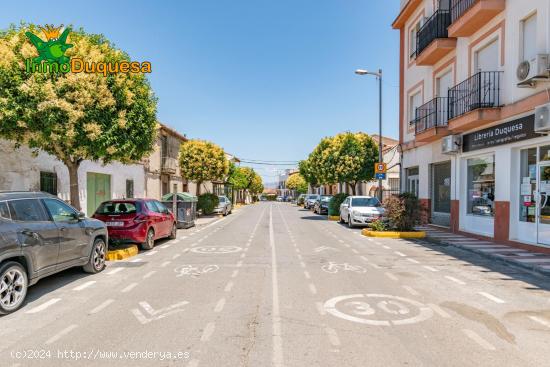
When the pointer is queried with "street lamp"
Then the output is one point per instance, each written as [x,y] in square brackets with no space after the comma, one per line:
[378,76]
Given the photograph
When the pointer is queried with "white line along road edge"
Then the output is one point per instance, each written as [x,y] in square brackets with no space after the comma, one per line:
[276,317]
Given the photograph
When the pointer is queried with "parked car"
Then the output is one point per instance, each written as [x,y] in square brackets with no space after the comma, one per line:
[41,235]
[321,205]
[279,198]
[139,221]
[309,200]
[360,210]
[224,207]
[300,200]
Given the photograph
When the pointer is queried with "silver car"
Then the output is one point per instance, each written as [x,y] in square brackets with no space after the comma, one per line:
[224,207]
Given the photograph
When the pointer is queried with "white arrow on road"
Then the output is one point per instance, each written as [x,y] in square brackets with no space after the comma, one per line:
[158,314]
[323,248]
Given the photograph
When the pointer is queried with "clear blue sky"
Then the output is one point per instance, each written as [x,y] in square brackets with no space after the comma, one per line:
[263,79]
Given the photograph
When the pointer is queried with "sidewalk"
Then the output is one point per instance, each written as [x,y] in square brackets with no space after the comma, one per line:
[535,261]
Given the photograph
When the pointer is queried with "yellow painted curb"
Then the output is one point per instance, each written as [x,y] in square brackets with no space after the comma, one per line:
[123,253]
[390,234]
[333,217]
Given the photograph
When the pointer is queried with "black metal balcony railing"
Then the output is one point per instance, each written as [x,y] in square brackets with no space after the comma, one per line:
[459,7]
[435,27]
[481,90]
[432,114]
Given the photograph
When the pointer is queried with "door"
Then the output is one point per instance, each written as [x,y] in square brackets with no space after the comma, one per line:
[543,205]
[73,241]
[98,187]
[166,222]
[486,59]
[38,235]
[156,218]
[441,194]
[344,209]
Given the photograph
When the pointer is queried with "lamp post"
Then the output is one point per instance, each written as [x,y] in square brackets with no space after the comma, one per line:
[378,76]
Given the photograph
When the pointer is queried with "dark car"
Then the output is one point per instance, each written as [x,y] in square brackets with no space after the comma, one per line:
[41,235]
[321,205]
[137,221]
[310,200]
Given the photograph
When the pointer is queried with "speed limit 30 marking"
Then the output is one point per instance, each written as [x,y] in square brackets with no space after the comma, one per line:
[378,309]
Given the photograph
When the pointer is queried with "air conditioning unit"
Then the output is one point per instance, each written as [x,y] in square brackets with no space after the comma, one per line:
[531,71]
[451,144]
[542,119]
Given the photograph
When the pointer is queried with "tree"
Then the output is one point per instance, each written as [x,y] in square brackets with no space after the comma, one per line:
[307,173]
[297,182]
[347,157]
[202,161]
[256,184]
[74,116]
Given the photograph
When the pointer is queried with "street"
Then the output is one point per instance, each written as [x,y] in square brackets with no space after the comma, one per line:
[275,285]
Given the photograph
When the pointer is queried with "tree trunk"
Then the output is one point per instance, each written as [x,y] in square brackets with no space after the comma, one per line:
[199,183]
[73,184]
[352,186]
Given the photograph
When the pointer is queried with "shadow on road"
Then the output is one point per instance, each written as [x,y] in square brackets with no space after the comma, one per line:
[314,217]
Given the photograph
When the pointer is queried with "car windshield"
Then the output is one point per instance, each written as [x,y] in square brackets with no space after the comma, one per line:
[222,199]
[313,196]
[326,198]
[359,202]
[113,208]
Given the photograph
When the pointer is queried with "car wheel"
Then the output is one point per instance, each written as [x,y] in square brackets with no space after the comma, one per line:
[350,223]
[96,263]
[173,232]
[341,219]
[13,287]
[225,213]
[149,240]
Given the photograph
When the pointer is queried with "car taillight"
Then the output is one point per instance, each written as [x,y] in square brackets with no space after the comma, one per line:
[140,218]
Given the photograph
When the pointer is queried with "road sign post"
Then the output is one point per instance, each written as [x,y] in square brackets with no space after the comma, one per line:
[380,169]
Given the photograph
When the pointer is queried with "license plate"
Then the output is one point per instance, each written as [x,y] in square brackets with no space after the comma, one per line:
[115,224]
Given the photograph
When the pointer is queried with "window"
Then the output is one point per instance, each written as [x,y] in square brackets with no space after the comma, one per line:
[529,38]
[393,183]
[152,207]
[412,40]
[412,180]
[481,185]
[528,184]
[415,101]
[364,202]
[27,210]
[160,207]
[126,207]
[486,59]
[60,211]
[48,182]
[545,153]
[129,188]
[4,211]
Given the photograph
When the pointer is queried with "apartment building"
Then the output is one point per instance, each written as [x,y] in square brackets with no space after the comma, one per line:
[473,76]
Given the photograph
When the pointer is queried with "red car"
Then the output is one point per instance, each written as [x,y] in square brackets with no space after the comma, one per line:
[137,221]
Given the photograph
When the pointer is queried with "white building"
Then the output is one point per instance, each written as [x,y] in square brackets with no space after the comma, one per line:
[458,76]
[21,170]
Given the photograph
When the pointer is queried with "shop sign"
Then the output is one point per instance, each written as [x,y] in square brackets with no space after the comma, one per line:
[509,132]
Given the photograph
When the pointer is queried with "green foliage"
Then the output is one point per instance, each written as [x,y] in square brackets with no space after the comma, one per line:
[307,173]
[202,161]
[245,178]
[301,200]
[271,197]
[403,212]
[335,202]
[297,182]
[378,225]
[207,202]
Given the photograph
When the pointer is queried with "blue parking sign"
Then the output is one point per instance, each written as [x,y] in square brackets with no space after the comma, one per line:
[380,176]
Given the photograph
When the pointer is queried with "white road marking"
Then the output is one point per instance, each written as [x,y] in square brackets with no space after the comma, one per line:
[478,339]
[347,245]
[439,310]
[491,297]
[164,246]
[364,258]
[341,241]
[399,253]
[44,305]
[299,257]
[354,251]
[278,360]
[240,263]
[166,263]
[375,266]
[430,268]
[176,256]
[332,336]
[391,276]
[386,247]
[129,288]
[306,274]
[61,334]
[228,287]
[136,260]
[540,321]
[370,240]
[453,279]
[84,285]
[297,250]
[243,255]
[151,253]
[114,271]
[312,288]
[234,274]
[411,290]
[208,331]
[149,274]
[101,306]
[321,308]
[219,305]
[302,264]
[412,261]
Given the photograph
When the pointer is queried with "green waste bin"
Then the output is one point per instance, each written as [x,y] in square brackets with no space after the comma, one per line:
[186,208]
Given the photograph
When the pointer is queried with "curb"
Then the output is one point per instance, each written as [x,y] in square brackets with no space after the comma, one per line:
[121,254]
[334,217]
[393,234]
[501,260]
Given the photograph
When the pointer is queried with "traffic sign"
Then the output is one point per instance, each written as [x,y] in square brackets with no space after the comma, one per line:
[380,176]
[380,167]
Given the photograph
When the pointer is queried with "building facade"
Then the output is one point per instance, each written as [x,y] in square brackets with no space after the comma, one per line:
[472,74]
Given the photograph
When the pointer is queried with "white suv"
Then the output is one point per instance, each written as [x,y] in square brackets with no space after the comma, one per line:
[360,210]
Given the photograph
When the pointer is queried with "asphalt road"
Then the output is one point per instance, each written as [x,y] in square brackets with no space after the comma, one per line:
[275,285]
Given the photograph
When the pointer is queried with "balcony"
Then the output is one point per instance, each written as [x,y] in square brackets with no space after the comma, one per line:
[468,16]
[169,165]
[431,120]
[432,41]
[476,101]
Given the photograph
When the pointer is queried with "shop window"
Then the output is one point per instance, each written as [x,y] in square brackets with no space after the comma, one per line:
[545,153]
[528,184]
[481,185]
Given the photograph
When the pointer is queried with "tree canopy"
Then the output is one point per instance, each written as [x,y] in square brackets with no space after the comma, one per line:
[297,182]
[75,116]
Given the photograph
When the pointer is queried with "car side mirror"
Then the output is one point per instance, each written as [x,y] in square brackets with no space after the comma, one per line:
[79,216]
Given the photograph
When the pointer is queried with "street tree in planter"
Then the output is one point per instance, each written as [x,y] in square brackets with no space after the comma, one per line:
[297,182]
[74,116]
[202,161]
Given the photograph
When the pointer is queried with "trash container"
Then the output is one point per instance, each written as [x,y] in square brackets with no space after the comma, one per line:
[186,208]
